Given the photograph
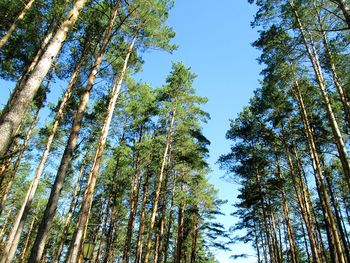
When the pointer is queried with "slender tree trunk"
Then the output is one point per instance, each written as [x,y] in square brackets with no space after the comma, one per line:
[163,211]
[26,242]
[88,196]
[71,209]
[328,213]
[26,205]
[302,202]
[15,23]
[313,56]
[11,180]
[170,221]
[195,229]
[139,243]
[68,152]
[14,112]
[159,186]
[266,225]
[134,197]
[180,233]
[337,82]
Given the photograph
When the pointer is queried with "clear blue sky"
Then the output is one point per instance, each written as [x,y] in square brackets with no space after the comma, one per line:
[214,39]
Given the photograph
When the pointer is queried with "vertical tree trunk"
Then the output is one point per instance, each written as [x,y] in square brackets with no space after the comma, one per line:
[134,197]
[180,233]
[313,56]
[14,112]
[336,80]
[15,23]
[163,210]
[195,229]
[329,217]
[50,210]
[170,221]
[88,196]
[158,187]
[139,243]
[26,242]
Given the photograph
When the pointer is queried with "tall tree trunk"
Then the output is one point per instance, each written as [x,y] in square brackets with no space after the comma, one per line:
[195,230]
[180,232]
[170,221]
[24,146]
[336,80]
[71,209]
[159,186]
[163,210]
[14,112]
[266,224]
[88,196]
[299,189]
[313,56]
[26,205]
[134,197]
[323,194]
[50,210]
[139,243]
[15,23]
[26,242]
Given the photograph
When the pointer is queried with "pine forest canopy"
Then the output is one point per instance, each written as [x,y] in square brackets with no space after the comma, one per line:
[118,170]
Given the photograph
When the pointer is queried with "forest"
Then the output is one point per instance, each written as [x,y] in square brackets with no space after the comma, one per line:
[97,165]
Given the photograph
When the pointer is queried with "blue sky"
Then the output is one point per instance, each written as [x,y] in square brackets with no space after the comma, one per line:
[214,39]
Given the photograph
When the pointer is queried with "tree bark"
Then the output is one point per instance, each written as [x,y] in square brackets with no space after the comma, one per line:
[88,196]
[158,187]
[14,112]
[15,23]
[71,209]
[26,205]
[26,242]
[323,194]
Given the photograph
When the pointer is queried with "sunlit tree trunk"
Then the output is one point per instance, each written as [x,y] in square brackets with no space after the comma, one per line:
[15,110]
[159,186]
[88,196]
[323,194]
[26,242]
[313,56]
[71,208]
[51,207]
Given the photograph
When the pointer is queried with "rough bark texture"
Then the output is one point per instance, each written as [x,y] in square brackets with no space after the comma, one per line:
[15,110]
